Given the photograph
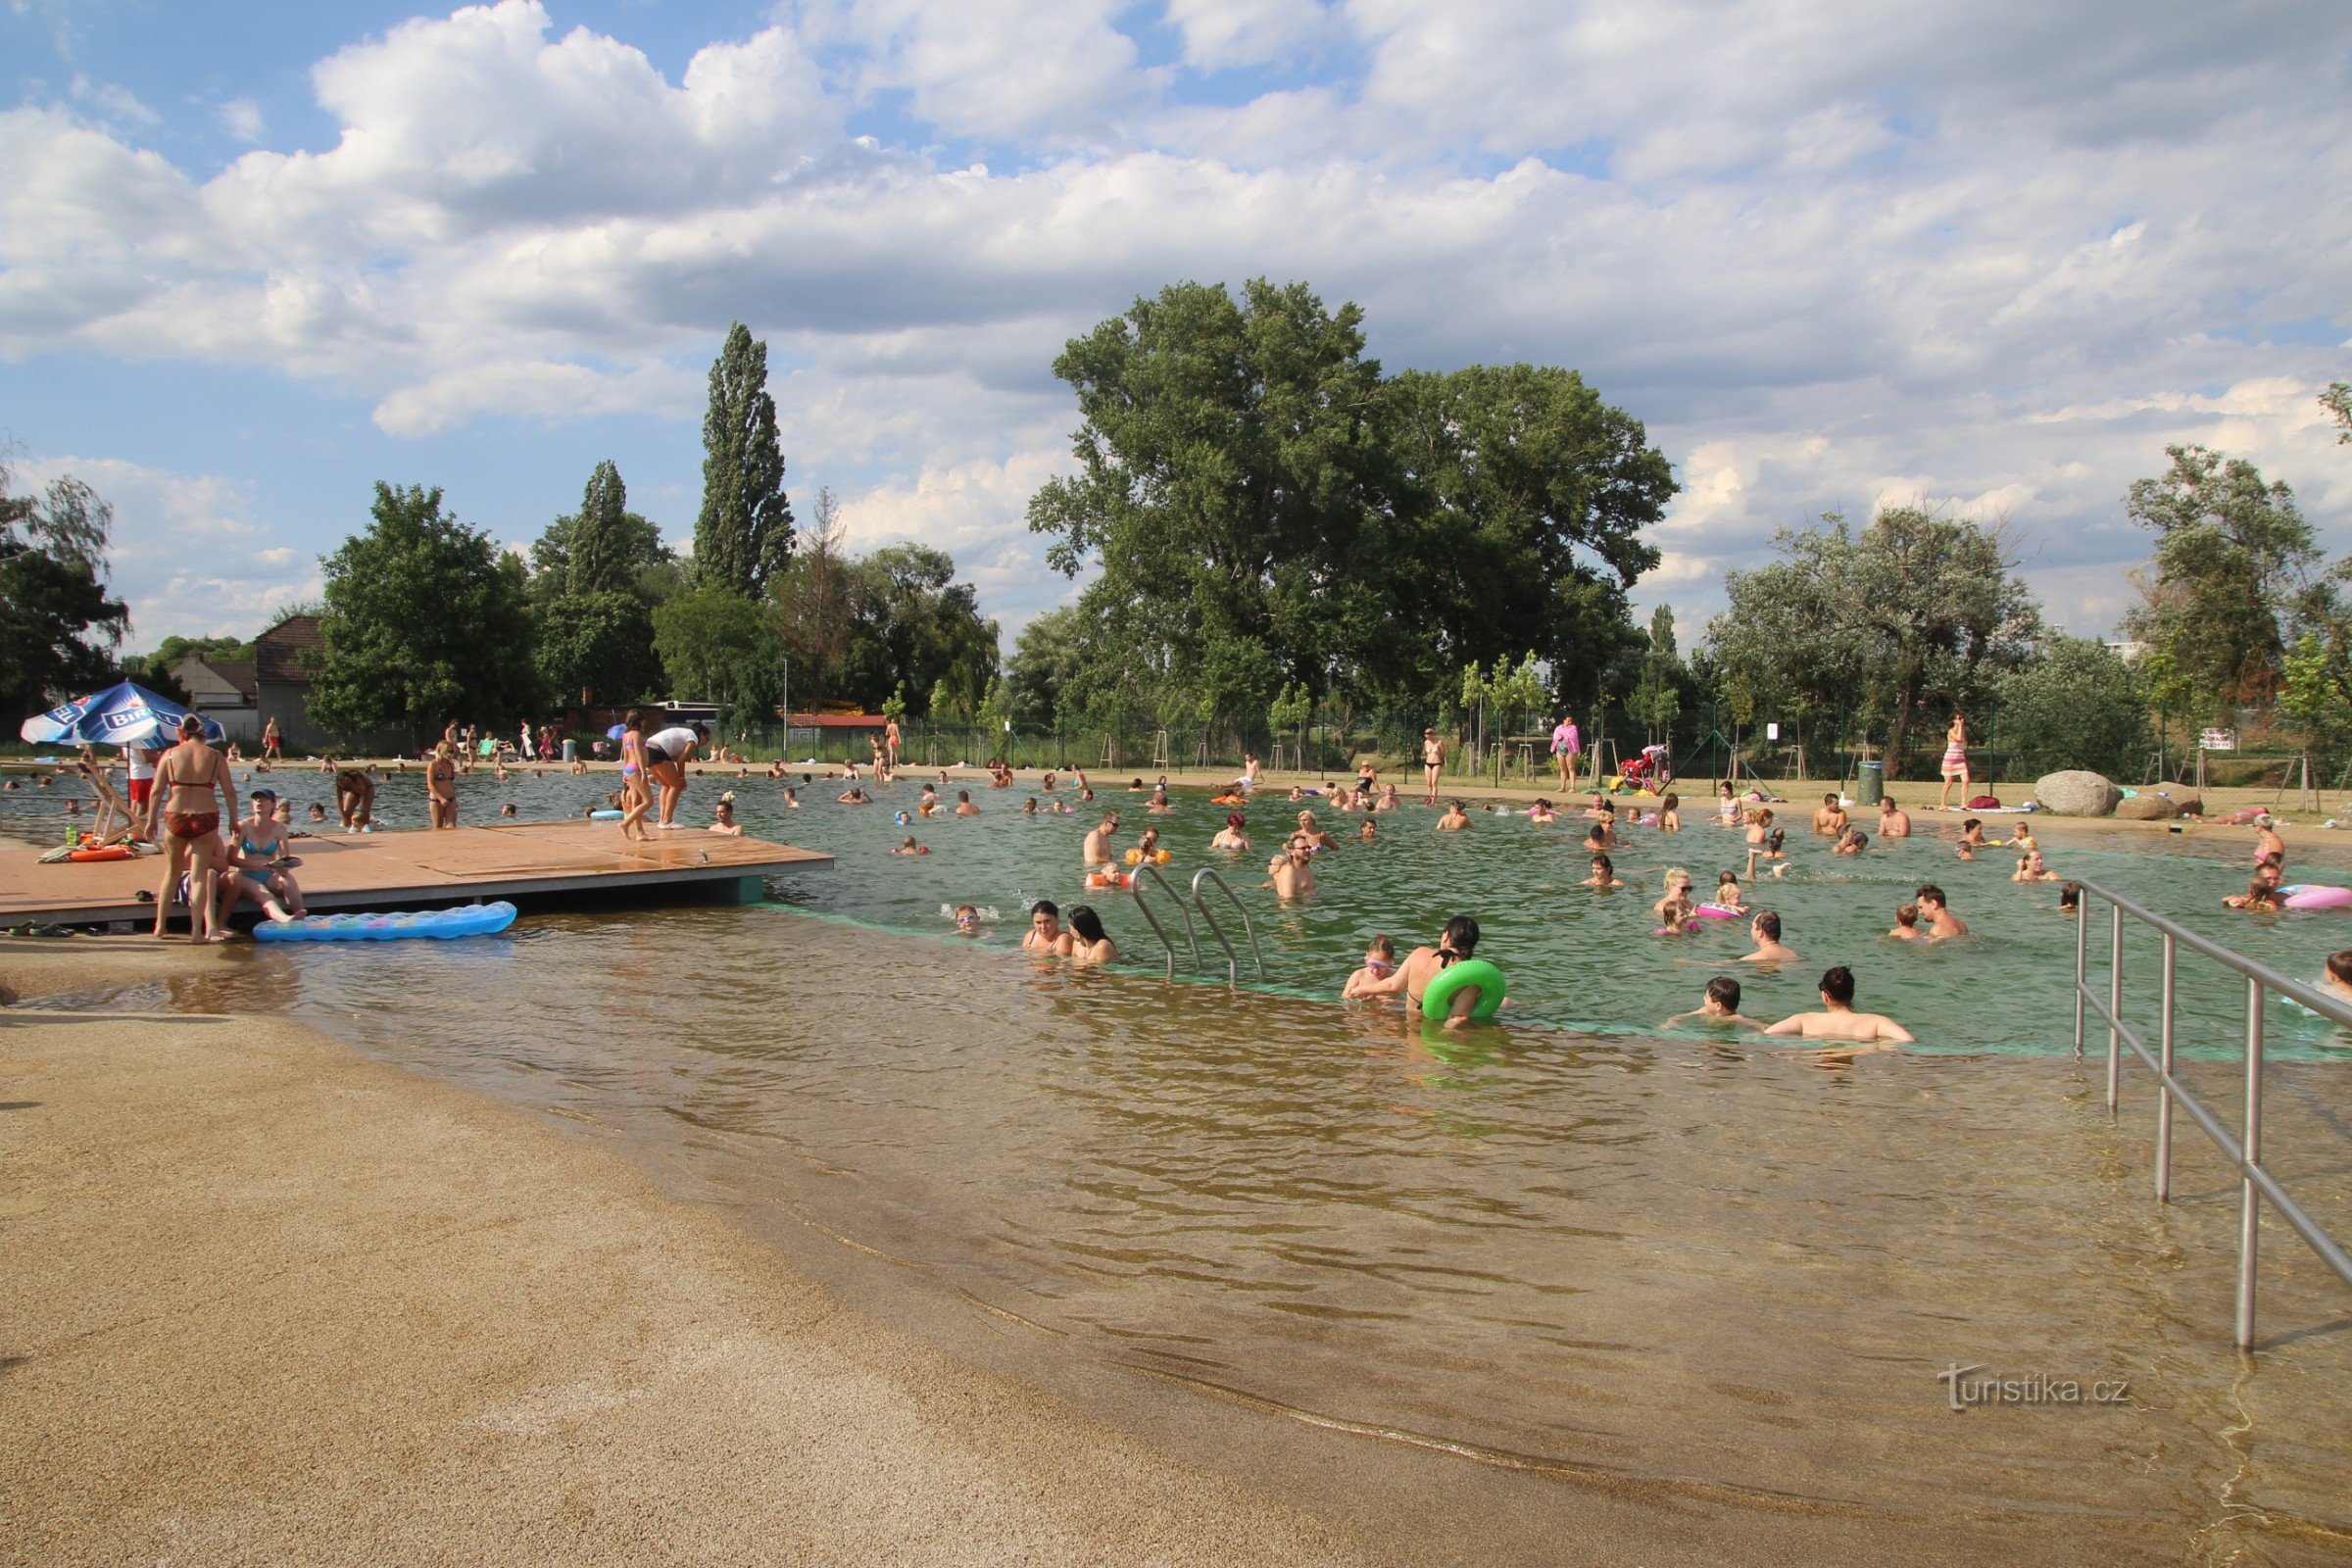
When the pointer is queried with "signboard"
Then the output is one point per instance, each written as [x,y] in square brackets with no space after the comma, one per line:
[1772,732]
[2218,740]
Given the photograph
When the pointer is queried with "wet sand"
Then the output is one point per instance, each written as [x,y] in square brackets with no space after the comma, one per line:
[265,1300]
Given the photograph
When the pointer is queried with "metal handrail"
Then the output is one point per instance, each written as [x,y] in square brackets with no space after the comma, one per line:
[1232,964]
[2254,1182]
[1135,886]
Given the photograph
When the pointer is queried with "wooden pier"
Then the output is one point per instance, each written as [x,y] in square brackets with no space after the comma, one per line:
[422,869]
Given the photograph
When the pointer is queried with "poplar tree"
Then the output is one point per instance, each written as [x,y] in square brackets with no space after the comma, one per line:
[744,534]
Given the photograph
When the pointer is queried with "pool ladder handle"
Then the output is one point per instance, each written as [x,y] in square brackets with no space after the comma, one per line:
[1135,886]
[1232,963]
[2254,1182]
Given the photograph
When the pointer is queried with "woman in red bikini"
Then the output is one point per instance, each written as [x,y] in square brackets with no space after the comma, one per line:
[187,780]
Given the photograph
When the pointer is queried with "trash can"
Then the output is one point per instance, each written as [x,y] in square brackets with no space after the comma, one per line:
[1870,786]
[567,747]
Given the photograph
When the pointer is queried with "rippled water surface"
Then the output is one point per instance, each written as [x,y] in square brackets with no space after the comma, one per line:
[1560,1251]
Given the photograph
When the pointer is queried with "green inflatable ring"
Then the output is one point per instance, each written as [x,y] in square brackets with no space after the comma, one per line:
[1437,1000]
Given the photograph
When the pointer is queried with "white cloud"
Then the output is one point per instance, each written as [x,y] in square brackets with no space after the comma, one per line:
[991,70]
[1833,254]
[1219,33]
[116,103]
[242,119]
[189,553]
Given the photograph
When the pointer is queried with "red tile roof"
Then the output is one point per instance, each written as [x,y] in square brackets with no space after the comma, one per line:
[289,651]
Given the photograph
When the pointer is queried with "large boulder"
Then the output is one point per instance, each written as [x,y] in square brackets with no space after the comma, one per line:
[2144,809]
[2077,793]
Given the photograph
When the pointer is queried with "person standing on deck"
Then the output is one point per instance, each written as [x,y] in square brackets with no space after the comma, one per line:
[441,786]
[272,743]
[1955,763]
[1567,747]
[1433,763]
[666,754]
[185,781]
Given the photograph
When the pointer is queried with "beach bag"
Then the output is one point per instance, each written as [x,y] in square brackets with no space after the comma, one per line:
[1986,803]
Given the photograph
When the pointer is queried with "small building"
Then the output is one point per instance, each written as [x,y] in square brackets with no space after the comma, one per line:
[284,659]
[225,691]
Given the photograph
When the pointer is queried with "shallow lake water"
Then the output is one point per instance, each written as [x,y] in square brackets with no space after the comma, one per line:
[1535,1266]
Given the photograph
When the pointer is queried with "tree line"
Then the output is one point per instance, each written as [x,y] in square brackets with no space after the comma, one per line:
[1272,530]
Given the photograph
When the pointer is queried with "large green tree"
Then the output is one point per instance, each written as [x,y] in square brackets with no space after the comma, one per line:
[916,629]
[425,622]
[1915,610]
[2076,703]
[2233,581]
[603,548]
[1519,512]
[590,576]
[715,644]
[818,607]
[1268,513]
[744,535]
[59,625]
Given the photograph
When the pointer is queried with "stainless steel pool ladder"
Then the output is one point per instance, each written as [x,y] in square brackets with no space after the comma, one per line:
[1232,964]
[2255,1183]
[1135,885]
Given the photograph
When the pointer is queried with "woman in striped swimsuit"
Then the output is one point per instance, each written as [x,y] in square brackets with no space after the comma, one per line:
[1955,762]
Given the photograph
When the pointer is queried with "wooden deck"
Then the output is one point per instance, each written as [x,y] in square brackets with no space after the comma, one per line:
[422,868]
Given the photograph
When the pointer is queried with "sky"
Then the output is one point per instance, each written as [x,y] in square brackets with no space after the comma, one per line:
[1992,256]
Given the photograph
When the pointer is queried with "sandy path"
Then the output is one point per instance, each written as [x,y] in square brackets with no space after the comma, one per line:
[263,1301]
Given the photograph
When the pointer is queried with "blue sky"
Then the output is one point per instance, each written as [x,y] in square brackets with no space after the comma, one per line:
[254,257]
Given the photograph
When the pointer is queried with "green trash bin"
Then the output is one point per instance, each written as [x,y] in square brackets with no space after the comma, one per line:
[1870,787]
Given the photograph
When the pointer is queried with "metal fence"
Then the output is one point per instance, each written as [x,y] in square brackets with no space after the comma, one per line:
[2243,1151]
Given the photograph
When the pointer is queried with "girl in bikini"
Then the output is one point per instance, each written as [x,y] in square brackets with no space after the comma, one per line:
[636,790]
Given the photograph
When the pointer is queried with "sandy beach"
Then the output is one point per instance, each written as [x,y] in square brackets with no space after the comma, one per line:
[268,1301]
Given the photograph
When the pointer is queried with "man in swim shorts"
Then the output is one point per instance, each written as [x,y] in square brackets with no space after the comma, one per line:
[1764,928]
[1292,873]
[1097,853]
[1830,821]
[140,761]
[1942,922]
[1838,1021]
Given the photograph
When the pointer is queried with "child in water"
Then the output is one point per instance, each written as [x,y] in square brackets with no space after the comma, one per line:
[1380,961]
[1675,911]
[1669,815]
[1906,923]
[967,920]
[1604,874]
[907,845]
[1540,814]
[1677,889]
[1727,891]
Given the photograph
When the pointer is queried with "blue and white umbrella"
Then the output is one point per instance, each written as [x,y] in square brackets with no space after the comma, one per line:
[123,715]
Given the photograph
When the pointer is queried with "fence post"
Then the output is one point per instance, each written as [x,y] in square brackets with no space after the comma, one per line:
[2249,1197]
